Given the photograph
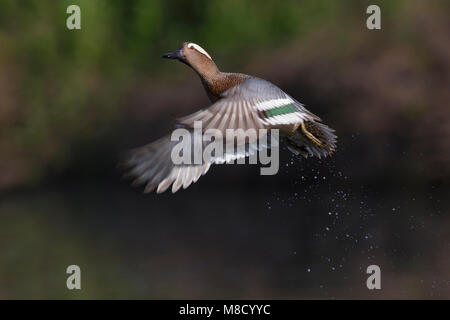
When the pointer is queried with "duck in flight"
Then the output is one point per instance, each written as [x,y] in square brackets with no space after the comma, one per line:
[238,101]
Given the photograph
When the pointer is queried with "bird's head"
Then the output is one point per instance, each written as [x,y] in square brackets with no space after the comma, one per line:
[194,56]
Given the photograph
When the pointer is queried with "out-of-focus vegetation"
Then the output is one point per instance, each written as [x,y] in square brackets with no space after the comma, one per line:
[64,92]
[61,89]
[72,101]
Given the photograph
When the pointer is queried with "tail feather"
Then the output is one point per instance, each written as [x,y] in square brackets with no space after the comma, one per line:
[312,139]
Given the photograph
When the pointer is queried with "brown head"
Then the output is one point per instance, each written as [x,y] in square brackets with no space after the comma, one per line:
[196,57]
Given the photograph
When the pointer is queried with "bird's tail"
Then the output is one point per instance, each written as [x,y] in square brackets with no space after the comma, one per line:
[312,139]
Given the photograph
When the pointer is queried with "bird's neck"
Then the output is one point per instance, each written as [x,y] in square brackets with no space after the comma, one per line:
[215,83]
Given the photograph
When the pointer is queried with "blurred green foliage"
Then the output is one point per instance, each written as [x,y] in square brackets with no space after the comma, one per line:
[63,88]
[68,84]
[64,93]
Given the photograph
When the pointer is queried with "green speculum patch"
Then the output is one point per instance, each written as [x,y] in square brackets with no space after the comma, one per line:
[289,108]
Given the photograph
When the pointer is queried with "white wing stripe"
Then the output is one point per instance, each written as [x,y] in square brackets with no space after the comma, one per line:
[274,103]
[285,118]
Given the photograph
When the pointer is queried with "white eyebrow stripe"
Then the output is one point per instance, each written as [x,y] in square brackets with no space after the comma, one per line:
[199,49]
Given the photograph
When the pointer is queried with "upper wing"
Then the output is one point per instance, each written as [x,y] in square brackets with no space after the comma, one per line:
[253,104]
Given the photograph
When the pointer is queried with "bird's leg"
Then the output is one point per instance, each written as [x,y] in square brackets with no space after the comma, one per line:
[310,135]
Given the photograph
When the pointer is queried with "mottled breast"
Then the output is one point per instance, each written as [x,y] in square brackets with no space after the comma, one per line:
[217,85]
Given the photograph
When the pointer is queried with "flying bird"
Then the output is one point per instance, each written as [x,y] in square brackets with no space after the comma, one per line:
[238,101]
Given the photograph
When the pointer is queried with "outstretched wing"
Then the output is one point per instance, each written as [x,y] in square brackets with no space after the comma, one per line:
[152,165]
[253,104]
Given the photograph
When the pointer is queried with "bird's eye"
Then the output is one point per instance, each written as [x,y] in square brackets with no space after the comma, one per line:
[199,49]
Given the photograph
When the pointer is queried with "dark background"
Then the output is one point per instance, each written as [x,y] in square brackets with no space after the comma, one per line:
[72,102]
